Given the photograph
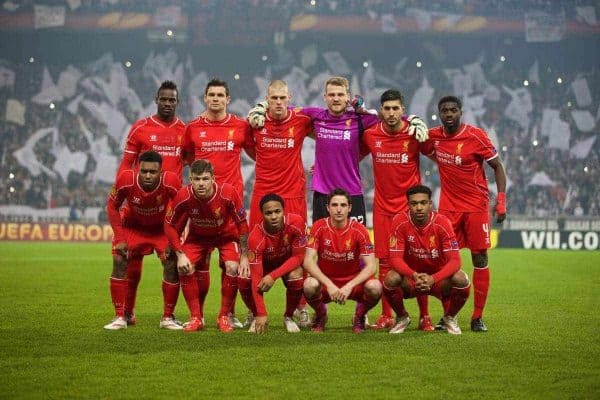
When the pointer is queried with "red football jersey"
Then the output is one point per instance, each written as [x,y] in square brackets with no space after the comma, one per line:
[221,143]
[424,249]
[280,253]
[221,216]
[460,159]
[395,167]
[144,210]
[278,146]
[166,138]
[339,250]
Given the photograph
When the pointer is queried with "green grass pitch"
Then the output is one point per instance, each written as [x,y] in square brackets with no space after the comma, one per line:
[543,343]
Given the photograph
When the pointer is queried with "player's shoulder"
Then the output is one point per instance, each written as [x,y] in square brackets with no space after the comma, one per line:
[236,120]
[171,179]
[294,220]
[125,179]
[296,114]
[441,221]
[436,132]
[318,225]
[400,220]
[179,124]
[357,227]
[198,121]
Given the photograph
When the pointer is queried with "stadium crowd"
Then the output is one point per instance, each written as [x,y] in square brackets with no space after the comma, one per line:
[64,123]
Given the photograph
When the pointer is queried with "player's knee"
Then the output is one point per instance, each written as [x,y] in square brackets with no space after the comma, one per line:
[373,288]
[392,279]
[231,268]
[460,279]
[295,274]
[119,267]
[479,258]
[311,287]
[170,273]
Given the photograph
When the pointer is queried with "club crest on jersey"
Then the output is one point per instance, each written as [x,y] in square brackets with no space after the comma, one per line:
[327,242]
[348,122]
[251,256]
[159,199]
[432,241]
[113,191]
[459,148]
[170,212]
[348,244]
[411,238]
[291,132]
[405,145]
[230,134]
[393,241]
[153,138]
[217,212]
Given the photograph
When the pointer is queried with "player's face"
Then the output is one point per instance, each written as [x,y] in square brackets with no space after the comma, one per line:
[450,115]
[419,205]
[278,99]
[216,99]
[202,184]
[166,102]
[336,98]
[339,208]
[392,111]
[149,175]
[272,212]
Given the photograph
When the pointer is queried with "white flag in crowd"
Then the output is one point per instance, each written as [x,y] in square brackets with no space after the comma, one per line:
[26,155]
[520,106]
[534,73]
[7,77]
[100,151]
[15,112]
[67,161]
[419,105]
[584,120]
[541,179]
[582,148]
[67,81]
[337,63]
[49,92]
[560,135]
[549,117]
[586,14]
[582,92]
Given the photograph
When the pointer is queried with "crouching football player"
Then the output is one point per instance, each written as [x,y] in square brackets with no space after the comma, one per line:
[275,250]
[340,244]
[425,259]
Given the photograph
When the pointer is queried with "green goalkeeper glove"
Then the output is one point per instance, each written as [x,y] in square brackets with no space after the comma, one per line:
[417,128]
[256,115]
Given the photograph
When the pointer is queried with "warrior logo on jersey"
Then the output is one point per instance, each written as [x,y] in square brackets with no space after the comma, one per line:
[348,244]
[153,138]
[393,241]
[136,200]
[459,147]
[203,134]
[378,144]
[432,241]
[251,256]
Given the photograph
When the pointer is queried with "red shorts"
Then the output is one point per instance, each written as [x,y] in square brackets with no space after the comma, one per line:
[357,294]
[382,226]
[435,291]
[144,242]
[472,229]
[200,250]
[292,205]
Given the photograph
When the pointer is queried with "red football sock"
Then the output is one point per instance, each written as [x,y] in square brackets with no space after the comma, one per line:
[395,297]
[293,295]
[446,304]
[384,268]
[203,282]
[302,303]
[118,292]
[458,298]
[317,304]
[189,288]
[481,285]
[170,295]
[134,274]
[245,288]
[423,302]
[229,289]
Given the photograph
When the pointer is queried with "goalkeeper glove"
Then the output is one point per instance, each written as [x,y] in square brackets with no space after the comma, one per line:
[256,115]
[500,208]
[357,103]
[417,128]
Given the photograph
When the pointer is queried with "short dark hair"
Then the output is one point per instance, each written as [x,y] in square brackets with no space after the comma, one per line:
[450,99]
[168,85]
[418,189]
[390,95]
[217,82]
[338,192]
[201,166]
[270,197]
[150,156]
